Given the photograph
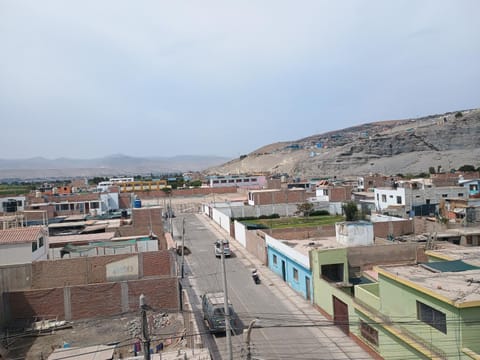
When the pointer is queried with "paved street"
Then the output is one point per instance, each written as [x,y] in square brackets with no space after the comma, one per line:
[288,326]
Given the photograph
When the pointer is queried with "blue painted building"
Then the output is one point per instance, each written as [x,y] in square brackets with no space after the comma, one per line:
[291,265]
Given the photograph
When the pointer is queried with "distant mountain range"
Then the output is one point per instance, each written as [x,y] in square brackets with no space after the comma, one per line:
[114,165]
[412,146]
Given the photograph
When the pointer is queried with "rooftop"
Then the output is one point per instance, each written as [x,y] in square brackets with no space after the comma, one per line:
[72,239]
[319,243]
[20,235]
[451,287]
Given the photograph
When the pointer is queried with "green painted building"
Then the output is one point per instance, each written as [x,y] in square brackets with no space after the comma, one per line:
[413,311]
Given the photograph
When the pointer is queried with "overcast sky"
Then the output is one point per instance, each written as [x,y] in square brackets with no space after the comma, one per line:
[86,79]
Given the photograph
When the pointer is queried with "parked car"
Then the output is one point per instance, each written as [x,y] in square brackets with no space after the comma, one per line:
[218,248]
[213,306]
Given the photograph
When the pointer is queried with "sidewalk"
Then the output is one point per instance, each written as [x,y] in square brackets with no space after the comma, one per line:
[294,301]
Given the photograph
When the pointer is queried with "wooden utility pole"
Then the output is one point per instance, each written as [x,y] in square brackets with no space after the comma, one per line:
[183,247]
[247,340]
[228,329]
[145,335]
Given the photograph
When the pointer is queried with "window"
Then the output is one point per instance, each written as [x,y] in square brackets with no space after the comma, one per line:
[369,333]
[332,272]
[295,274]
[444,195]
[431,317]
[384,198]
[64,207]
[378,196]
[275,259]
[427,201]
[40,242]
[19,203]
[460,194]
[34,246]
[253,179]
[391,196]
[94,205]
[399,199]
[223,181]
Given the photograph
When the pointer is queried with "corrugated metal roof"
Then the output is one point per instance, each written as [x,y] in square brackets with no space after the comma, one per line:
[20,235]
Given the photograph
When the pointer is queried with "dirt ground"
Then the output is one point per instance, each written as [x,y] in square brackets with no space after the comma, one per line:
[164,328]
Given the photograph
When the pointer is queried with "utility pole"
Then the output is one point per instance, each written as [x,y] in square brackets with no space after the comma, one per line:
[145,335]
[170,214]
[183,247]
[228,329]
[247,340]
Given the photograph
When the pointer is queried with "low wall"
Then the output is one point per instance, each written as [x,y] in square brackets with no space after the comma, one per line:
[90,301]
[93,270]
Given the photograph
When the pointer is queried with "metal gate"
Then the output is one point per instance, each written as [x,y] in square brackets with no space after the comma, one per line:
[340,315]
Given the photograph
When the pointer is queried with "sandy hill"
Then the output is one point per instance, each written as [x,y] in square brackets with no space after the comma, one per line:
[409,146]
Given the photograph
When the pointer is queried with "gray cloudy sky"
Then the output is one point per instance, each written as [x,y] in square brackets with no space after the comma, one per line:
[86,79]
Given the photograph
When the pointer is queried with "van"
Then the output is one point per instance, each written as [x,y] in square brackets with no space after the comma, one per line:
[213,306]
[218,248]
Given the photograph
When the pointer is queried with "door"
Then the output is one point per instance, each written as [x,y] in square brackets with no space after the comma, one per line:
[307,287]
[284,273]
[340,315]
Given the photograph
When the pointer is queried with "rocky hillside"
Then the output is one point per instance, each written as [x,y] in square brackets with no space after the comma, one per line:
[390,147]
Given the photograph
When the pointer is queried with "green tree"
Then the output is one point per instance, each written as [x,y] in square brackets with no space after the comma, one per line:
[458,115]
[431,170]
[350,210]
[305,209]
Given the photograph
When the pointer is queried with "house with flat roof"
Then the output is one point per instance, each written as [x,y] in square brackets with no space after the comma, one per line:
[23,245]
[423,311]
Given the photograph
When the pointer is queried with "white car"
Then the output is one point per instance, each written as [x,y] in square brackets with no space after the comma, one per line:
[218,248]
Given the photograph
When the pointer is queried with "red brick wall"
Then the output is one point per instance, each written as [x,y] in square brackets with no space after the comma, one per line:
[303,233]
[279,197]
[90,301]
[157,263]
[27,304]
[186,192]
[92,270]
[161,293]
[403,227]
[341,193]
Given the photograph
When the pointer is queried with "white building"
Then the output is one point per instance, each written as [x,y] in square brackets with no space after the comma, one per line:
[12,204]
[406,195]
[354,233]
[23,245]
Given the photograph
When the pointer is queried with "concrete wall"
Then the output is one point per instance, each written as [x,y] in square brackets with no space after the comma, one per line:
[94,300]
[12,254]
[240,233]
[14,277]
[221,219]
[354,233]
[256,245]
[365,257]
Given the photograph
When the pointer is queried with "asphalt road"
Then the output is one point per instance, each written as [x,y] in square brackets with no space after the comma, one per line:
[283,333]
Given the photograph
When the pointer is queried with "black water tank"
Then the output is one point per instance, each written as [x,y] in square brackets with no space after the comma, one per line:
[10,205]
